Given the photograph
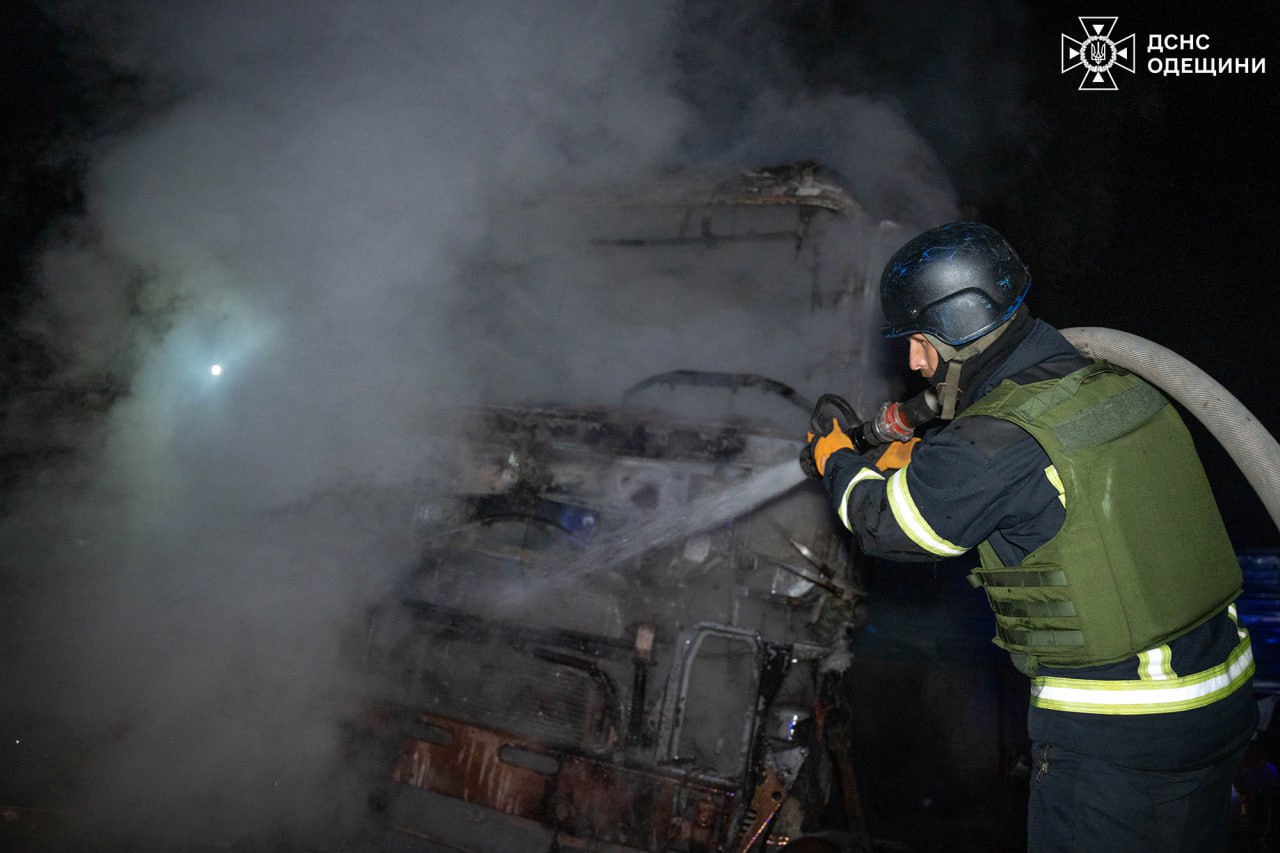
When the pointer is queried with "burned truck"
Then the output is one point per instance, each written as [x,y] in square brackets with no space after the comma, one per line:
[629,622]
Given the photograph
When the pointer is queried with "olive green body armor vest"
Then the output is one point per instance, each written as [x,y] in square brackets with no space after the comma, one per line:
[1142,556]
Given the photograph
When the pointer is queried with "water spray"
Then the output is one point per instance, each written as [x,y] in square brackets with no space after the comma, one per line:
[893,422]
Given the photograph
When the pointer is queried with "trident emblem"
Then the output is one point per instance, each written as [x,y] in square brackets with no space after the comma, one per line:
[1098,54]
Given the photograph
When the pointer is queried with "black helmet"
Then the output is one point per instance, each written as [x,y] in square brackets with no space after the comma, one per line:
[955,282]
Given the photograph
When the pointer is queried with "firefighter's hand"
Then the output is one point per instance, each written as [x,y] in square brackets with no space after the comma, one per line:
[896,454]
[813,459]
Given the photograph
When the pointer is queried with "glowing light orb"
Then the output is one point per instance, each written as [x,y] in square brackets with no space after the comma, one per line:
[216,370]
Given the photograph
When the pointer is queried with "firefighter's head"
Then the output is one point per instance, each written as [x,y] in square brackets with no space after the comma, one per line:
[952,290]
[954,283]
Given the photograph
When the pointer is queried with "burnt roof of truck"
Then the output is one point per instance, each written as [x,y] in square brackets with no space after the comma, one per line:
[804,183]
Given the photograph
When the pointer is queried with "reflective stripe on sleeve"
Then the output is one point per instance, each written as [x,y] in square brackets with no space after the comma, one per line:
[864,474]
[1145,696]
[912,522]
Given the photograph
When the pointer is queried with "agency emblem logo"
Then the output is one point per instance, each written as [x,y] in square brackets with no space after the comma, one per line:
[1098,54]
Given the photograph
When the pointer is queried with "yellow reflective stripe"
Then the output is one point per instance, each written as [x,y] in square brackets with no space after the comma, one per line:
[1085,696]
[1056,479]
[864,474]
[1156,664]
[912,522]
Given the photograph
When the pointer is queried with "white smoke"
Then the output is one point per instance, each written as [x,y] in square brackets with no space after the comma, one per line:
[317,208]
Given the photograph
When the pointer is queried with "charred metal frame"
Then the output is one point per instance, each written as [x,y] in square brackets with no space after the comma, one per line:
[715,379]
[519,635]
[600,766]
[598,797]
[772,662]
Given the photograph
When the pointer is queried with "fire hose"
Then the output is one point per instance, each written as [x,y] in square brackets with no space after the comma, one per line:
[1253,449]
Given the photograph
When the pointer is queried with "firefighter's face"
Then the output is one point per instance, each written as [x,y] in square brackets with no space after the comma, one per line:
[923,357]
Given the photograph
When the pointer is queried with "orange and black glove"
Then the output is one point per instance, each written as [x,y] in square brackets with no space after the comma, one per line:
[818,449]
[896,454]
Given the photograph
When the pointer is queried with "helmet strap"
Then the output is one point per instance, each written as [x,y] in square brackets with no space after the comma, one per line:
[954,358]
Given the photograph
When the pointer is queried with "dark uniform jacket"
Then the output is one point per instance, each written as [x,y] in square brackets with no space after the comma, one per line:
[982,478]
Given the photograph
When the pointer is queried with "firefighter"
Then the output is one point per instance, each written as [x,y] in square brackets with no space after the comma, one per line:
[1101,549]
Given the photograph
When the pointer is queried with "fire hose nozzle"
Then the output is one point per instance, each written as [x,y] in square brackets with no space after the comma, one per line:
[898,421]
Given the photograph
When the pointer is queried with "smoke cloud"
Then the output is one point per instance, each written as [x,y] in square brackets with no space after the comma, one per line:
[364,214]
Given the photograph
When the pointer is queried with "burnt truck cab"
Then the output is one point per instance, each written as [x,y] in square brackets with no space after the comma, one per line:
[577,660]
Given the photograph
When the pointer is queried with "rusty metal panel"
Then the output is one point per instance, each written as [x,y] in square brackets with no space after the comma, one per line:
[576,795]
[467,767]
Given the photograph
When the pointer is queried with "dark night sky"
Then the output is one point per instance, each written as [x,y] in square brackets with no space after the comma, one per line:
[1151,209]
[1178,175]
[309,185]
